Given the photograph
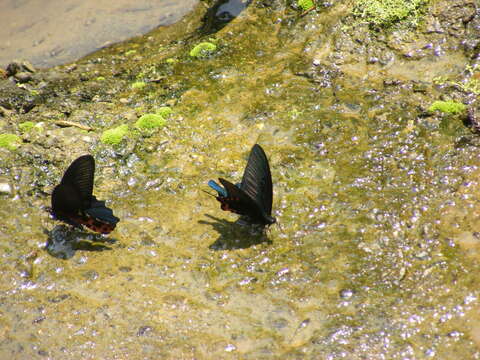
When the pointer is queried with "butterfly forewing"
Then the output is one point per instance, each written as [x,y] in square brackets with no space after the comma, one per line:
[257,179]
[80,175]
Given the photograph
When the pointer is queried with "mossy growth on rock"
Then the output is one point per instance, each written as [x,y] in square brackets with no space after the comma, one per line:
[150,122]
[114,136]
[26,126]
[203,49]
[305,5]
[449,107]
[384,13]
[138,85]
[164,111]
[9,141]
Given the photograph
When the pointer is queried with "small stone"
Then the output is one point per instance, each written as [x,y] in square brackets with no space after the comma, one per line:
[5,188]
[59,298]
[346,294]
[90,275]
[13,68]
[27,66]
[23,77]
[144,330]
[38,320]
[6,112]
[230,348]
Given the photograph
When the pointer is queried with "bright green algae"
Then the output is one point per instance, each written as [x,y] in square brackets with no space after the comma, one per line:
[449,107]
[375,203]
[9,141]
[150,122]
[203,49]
[305,4]
[115,136]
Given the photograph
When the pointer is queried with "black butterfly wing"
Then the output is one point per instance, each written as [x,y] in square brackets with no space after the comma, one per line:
[238,201]
[80,175]
[257,179]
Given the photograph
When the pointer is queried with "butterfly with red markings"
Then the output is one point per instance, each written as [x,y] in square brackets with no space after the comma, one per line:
[73,202]
[252,198]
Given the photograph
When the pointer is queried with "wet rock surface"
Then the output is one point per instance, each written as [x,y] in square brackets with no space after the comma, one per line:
[55,32]
[376,252]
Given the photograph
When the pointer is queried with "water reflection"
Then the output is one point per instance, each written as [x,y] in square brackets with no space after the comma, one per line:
[222,13]
[235,235]
[63,242]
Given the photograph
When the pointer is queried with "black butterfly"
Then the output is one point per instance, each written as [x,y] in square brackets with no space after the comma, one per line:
[73,202]
[252,198]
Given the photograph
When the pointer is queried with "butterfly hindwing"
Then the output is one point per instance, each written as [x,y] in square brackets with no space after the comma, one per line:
[257,179]
[99,211]
[237,200]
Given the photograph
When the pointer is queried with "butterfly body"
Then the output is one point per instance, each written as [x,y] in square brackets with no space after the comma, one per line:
[252,198]
[73,202]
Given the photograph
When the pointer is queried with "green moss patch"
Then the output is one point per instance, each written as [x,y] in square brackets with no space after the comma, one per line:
[164,111]
[203,49]
[150,122]
[114,136]
[383,13]
[9,141]
[138,85]
[305,4]
[26,126]
[449,107]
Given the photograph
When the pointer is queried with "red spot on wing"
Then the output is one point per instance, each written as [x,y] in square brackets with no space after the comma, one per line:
[96,225]
[225,206]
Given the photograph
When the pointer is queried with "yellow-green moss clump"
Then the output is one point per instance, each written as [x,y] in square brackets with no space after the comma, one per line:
[114,136]
[150,122]
[164,111]
[383,13]
[305,5]
[9,141]
[26,126]
[449,107]
[203,49]
[138,85]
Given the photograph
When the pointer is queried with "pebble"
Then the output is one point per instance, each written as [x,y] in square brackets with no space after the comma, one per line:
[346,294]
[144,330]
[5,188]
[23,76]
[13,68]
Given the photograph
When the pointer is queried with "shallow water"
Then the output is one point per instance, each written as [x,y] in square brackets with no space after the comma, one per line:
[49,33]
[375,256]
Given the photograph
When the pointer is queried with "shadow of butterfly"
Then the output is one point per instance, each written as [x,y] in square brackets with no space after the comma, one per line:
[73,202]
[252,198]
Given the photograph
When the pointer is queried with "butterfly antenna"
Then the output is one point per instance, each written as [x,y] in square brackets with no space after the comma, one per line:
[206,192]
